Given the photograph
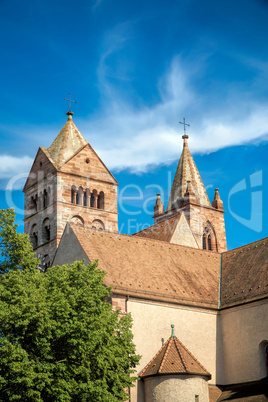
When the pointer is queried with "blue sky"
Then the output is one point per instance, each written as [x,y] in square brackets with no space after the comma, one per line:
[136,69]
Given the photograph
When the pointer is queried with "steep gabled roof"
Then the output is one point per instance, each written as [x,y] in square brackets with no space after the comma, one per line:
[174,358]
[175,230]
[245,273]
[187,171]
[149,268]
[68,142]
[160,231]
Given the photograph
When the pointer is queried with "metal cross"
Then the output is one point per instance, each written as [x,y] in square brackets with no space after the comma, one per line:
[185,124]
[70,100]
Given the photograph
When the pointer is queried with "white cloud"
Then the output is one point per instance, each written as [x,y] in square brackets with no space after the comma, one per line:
[14,171]
[135,139]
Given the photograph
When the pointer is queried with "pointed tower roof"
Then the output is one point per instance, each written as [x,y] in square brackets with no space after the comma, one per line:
[174,358]
[187,171]
[68,142]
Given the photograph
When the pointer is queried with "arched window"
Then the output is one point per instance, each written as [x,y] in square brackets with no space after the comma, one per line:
[93,199]
[40,199]
[204,241]
[48,195]
[34,236]
[79,196]
[209,242]
[45,199]
[86,197]
[100,204]
[209,238]
[77,220]
[73,195]
[33,203]
[98,224]
[263,351]
[46,230]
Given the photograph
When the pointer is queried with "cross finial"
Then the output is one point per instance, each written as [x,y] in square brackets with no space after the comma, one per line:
[69,100]
[184,124]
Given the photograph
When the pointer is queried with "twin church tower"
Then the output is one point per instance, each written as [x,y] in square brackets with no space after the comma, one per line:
[69,182]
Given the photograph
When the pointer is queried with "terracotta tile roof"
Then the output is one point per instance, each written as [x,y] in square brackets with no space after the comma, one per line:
[161,231]
[214,393]
[186,171]
[174,358]
[245,273]
[68,142]
[153,269]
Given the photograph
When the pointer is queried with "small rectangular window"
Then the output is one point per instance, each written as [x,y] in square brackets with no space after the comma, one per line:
[196,398]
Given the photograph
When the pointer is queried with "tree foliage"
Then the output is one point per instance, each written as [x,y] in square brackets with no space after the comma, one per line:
[60,339]
[15,249]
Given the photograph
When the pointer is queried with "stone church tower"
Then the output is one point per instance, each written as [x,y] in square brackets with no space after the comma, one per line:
[68,182]
[188,196]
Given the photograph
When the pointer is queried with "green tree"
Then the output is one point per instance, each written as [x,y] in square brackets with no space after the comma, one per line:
[60,339]
[15,249]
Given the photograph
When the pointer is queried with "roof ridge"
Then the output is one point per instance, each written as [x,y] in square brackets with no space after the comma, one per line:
[245,245]
[195,359]
[71,157]
[177,216]
[193,167]
[48,156]
[165,355]
[153,358]
[182,360]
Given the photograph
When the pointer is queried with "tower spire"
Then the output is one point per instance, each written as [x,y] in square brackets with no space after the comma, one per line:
[187,172]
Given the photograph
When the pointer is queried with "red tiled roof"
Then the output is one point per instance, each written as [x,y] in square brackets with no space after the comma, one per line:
[214,393]
[245,273]
[148,268]
[174,358]
[153,269]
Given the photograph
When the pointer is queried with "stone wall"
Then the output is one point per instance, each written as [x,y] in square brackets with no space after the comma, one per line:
[194,327]
[241,331]
[175,388]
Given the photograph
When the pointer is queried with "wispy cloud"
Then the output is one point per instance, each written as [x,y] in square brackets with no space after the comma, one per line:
[10,165]
[136,138]
[131,138]
[14,169]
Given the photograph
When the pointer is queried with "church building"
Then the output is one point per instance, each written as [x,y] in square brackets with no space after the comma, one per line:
[199,311]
